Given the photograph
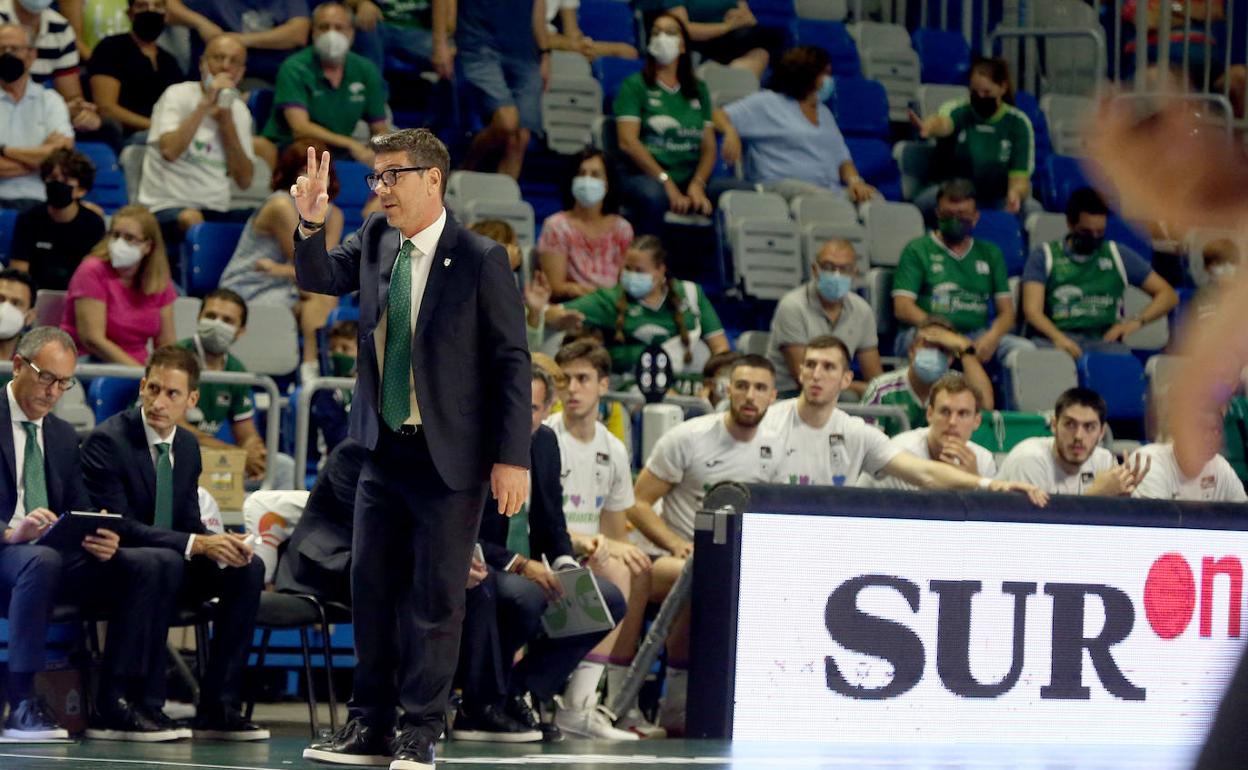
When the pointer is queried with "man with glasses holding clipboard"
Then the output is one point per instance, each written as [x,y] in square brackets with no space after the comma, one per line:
[42,477]
[442,404]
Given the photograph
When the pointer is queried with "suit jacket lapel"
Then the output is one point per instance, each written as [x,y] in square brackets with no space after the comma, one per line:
[389,246]
[6,440]
[439,273]
[143,459]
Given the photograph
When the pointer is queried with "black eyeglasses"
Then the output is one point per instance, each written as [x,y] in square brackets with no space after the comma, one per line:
[390,176]
[48,379]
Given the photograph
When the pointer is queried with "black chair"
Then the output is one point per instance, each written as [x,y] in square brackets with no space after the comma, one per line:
[298,611]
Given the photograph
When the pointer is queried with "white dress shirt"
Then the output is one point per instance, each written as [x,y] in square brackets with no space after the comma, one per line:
[154,438]
[19,453]
[424,245]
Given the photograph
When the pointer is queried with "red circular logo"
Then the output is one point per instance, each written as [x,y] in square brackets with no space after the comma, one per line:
[1169,595]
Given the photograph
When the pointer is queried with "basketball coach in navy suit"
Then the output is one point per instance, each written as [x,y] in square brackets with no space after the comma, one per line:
[442,404]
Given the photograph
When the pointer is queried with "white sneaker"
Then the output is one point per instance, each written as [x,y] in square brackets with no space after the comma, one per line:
[635,722]
[594,722]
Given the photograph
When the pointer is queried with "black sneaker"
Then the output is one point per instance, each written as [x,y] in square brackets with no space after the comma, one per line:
[355,743]
[227,724]
[517,707]
[32,720]
[491,724]
[413,750]
[162,720]
[119,721]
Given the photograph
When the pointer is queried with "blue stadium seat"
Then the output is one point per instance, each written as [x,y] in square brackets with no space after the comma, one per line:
[944,56]
[8,221]
[833,37]
[1039,128]
[205,253]
[860,107]
[260,102]
[1061,175]
[874,160]
[343,313]
[1001,228]
[100,154]
[610,71]
[353,193]
[109,190]
[1119,378]
[608,20]
[109,395]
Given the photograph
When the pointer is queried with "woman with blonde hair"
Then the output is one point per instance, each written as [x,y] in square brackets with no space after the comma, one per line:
[121,297]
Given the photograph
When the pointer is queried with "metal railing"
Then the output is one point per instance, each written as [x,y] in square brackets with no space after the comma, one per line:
[273,417]
[1030,65]
[303,419]
[881,411]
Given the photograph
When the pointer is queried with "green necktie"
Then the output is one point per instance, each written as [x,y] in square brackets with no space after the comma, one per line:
[164,487]
[518,532]
[396,404]
[34,485]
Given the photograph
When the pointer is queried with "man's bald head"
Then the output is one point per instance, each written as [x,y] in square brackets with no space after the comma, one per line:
[225,54]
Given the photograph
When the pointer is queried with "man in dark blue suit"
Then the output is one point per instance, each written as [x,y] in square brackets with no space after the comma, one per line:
[141,464]
[442,405]
[41,477]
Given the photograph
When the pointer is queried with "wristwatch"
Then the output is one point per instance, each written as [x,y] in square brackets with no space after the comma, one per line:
[663,177]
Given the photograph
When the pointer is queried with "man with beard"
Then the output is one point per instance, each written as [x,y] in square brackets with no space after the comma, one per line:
[688,460]
[953,414]
[1071,462]
[819,444]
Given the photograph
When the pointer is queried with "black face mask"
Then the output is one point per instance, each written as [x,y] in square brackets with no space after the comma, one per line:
[985,106]
[148,25]
[11,68]
[1084,244]
[60,194]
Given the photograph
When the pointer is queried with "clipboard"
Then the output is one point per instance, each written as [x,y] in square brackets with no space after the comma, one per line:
[69,530]
[581,610]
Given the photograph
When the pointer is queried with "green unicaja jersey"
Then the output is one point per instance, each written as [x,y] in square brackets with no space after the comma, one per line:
[989,152]
[671,124]
[893,389]
[1084,294]
[958,288]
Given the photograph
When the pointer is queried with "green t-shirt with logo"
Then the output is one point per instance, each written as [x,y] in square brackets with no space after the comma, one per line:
[221,404]
[958,288]
[407,13]
[671,125]
[300,83]
[988,152]
[1084,294]
[643,325]
[893,389]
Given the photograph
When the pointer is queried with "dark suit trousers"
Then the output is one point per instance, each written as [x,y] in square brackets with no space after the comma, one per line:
[237,590]
[411,546]
[135,590]
[504,614]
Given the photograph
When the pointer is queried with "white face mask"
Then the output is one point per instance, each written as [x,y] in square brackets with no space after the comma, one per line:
[11,320]
[123,254]
[664,47]
[332,45]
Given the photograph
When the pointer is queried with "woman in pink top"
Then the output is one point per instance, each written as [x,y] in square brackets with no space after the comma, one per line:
[120,298]
[582,248]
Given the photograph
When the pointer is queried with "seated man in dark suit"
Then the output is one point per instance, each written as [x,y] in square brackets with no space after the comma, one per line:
[42,478]
[140,463]
[317,559]
[505,610]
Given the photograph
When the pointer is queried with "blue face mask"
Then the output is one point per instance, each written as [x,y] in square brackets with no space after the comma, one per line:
[930,364]
[588,190]
[834,286]
[636,285]
[826,88]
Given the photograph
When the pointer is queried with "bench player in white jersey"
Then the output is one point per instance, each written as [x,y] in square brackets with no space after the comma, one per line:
[686,462]
[822,445]
[1071,461]
[1216,482]
[953,414]
[597,486]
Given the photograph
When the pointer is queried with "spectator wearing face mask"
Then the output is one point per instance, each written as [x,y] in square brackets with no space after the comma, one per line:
[35,118]
[324,90]
[1073,288]
[120,299]
[17,312]
[934,350]
[582,247]
[949,273]
[824,305]
[986,139]
[128,71]
[222,320]
[50,240]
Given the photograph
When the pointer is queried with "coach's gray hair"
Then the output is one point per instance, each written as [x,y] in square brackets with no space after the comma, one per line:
[34,340]
[543,376]
[422,146]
